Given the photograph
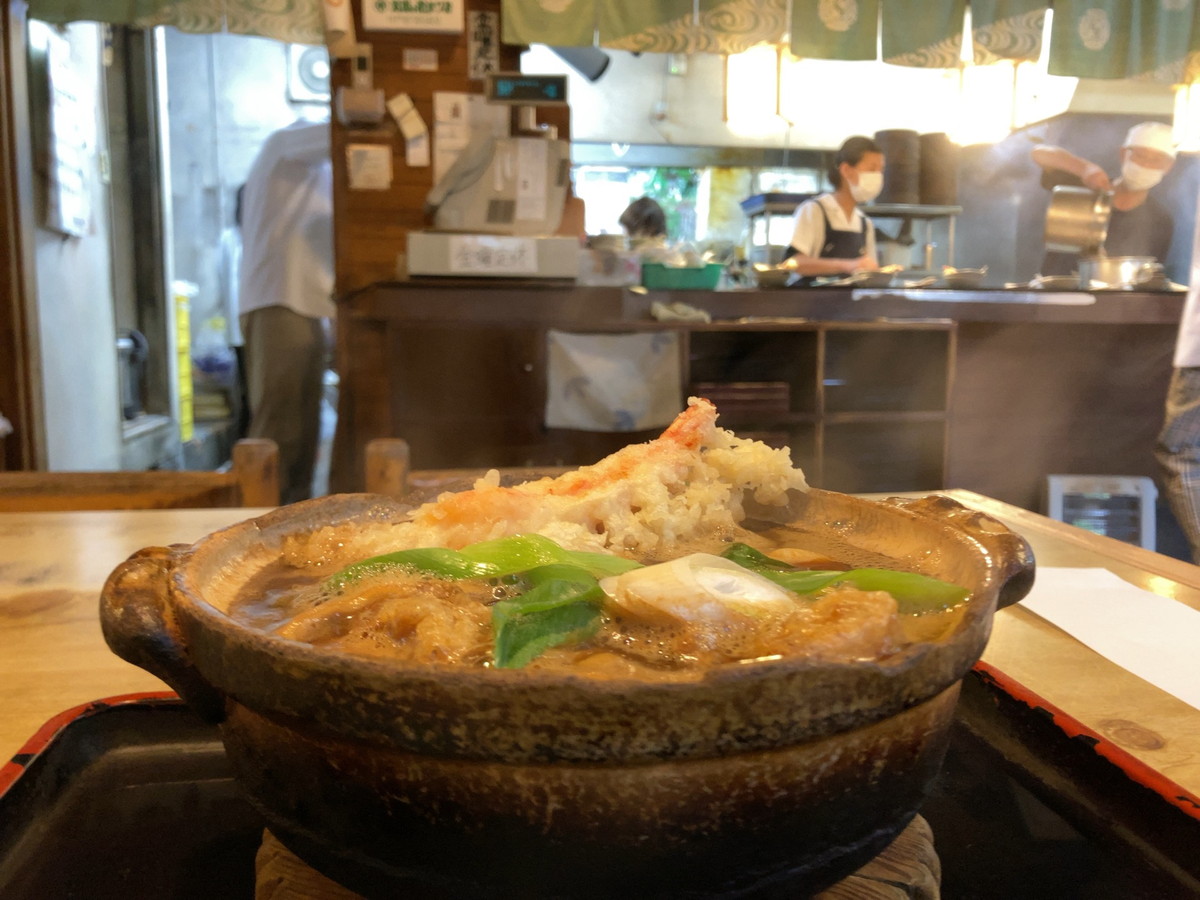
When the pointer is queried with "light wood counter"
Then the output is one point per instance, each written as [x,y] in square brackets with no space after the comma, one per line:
[52,567]
[1143,721]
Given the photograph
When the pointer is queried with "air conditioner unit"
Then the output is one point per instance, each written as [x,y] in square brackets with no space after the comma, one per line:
[1118,506]
[308,74]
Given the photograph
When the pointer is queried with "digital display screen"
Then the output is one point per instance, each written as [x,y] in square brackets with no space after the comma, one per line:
[534,90]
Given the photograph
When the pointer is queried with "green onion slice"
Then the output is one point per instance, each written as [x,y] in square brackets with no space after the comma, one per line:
[562,605]
[485,559]
[915,594]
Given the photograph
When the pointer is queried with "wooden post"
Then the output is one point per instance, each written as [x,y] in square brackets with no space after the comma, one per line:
[387,466]
[256,468]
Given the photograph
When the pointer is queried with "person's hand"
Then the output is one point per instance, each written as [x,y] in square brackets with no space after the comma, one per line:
[1095,177]
[862,264]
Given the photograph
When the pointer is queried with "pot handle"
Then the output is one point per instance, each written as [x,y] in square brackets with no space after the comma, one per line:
[1012,555]
[138,625]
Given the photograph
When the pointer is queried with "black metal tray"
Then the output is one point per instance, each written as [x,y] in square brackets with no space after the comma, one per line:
[133,798]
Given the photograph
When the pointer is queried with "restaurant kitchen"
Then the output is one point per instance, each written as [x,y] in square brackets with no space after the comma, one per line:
[775,133]
[895,389]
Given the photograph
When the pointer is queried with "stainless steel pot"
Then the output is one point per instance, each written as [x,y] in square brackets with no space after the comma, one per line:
[1118,271]
[1077,220]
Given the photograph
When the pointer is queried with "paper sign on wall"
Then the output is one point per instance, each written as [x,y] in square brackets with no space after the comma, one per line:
[416,150]
[483,43]
[369,166]
[412,126]
[72,139]
[443,16]
[419,59]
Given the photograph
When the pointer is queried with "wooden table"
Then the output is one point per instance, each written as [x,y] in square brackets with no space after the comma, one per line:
[52,566]
[1026,649]
[53,657]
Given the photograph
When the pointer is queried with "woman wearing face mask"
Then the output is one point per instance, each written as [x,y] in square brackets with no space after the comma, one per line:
[830,236]
[1139,225]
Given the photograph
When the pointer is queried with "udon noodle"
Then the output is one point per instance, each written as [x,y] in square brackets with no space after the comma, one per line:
[645,565]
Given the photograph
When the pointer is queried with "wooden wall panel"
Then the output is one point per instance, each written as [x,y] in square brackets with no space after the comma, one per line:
[370,226]
[20,384]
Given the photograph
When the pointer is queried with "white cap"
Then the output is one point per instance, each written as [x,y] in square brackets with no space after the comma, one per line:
[1153,136]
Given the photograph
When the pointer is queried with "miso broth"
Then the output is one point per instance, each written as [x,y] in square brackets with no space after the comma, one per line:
[415,618]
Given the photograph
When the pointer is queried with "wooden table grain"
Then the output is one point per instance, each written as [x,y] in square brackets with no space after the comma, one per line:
[1152,726]
[53,656]
[52,567]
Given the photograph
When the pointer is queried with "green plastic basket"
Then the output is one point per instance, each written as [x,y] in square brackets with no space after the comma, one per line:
[659,277]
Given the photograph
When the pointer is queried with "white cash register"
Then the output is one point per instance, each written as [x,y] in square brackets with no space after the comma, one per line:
[496,209]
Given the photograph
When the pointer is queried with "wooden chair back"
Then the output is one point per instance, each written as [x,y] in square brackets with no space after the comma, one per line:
[252,480]
[388,471]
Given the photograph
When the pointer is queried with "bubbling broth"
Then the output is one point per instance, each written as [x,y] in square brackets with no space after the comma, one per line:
[674,633]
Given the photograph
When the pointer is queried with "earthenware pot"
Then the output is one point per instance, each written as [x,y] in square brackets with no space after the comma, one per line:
[772,778]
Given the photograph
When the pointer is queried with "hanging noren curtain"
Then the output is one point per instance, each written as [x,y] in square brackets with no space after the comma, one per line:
[835,29]
[1118,39]
[293,21]
[558,23]
[1157,40]
[923,33]
[1007,29]
[684,26]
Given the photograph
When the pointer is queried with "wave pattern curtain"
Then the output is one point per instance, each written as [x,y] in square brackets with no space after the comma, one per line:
[1007,29]
[294,21]
[835,29]
[923,33]
[647,26]
[1157,40]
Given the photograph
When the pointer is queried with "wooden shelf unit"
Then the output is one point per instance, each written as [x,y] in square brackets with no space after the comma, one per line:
[867,406]
[863,405]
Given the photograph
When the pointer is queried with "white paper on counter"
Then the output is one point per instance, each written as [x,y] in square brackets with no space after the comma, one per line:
[1155,638]
[612,382]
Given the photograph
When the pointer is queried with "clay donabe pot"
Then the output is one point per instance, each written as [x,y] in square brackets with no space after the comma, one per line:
[459,782]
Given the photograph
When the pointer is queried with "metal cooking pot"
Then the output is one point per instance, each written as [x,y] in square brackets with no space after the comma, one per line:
[1118,271]
[1077,220]
[441,781]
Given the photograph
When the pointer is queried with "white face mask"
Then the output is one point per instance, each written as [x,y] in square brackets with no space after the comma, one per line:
[1139,178]
[868,187]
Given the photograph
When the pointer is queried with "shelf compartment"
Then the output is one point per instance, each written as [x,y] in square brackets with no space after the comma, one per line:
[785,360]
[740,398]
[885,370]
[873,457]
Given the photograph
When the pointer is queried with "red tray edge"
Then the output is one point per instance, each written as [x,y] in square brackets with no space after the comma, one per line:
[11,770]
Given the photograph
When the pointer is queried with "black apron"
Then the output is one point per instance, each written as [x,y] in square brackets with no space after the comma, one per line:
[838,244]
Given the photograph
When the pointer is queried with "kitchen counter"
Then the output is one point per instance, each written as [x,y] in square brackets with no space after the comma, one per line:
[1065,701]
[1073,384]
[547,301]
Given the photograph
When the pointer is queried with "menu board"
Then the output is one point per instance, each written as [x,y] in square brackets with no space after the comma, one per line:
[72,137]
